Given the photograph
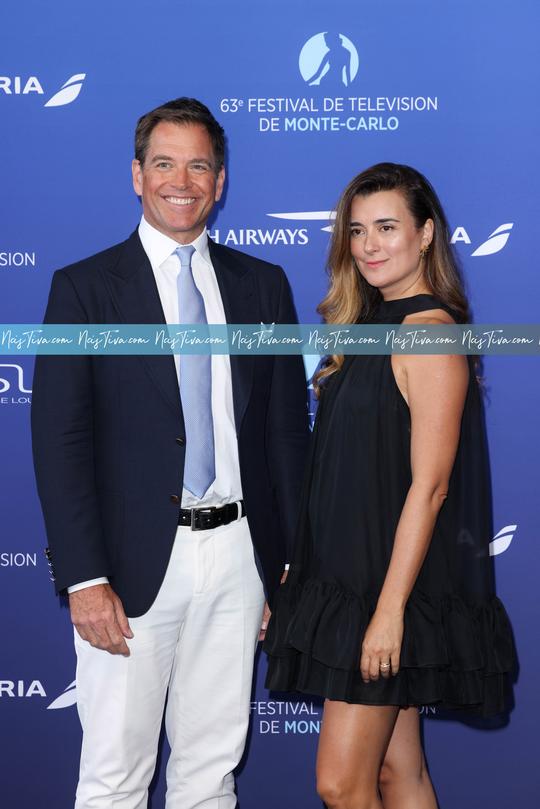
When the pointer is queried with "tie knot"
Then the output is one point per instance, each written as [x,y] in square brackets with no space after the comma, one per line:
[184,253]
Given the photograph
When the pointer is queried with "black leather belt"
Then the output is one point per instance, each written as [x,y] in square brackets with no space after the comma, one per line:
[203,519]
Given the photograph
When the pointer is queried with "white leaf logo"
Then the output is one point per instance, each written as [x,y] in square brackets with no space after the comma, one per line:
[495,242]
[66,699]
[501,541]
[69,91]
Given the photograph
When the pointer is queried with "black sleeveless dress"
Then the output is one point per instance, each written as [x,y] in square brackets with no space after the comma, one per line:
[457,647]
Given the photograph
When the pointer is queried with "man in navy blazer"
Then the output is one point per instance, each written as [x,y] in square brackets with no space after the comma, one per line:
[164,581]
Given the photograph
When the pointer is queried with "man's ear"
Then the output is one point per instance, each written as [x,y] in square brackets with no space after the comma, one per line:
[220,182]
[136,172]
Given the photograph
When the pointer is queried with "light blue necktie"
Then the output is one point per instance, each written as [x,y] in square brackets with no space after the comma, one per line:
[195,386]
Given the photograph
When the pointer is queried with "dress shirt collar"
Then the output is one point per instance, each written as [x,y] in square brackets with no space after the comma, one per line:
[158,247]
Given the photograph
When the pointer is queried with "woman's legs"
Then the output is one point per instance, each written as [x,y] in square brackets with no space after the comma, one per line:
[367,752]
[404,781]
[352,747]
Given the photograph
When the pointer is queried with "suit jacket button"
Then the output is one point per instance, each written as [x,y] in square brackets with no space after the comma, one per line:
[181,441]
[175,498]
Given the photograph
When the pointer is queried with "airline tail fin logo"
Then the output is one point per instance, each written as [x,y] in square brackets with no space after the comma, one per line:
[495,242]
[66,699]
[501,541]
[68,92]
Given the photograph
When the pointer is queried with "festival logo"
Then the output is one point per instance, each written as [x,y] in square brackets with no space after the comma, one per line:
[328,60]
[329,64]
[274,717]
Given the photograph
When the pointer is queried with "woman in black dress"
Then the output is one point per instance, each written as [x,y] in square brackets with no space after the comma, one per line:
[389,603]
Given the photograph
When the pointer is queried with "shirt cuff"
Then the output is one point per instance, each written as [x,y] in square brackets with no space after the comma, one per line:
[90,583]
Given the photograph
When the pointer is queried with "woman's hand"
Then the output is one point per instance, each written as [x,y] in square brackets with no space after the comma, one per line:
[265,619]
[381,646]
[267,613]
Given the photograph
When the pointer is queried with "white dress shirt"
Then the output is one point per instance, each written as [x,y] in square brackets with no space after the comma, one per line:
[227,487]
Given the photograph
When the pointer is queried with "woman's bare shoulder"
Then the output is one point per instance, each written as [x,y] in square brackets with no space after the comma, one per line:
[435,317]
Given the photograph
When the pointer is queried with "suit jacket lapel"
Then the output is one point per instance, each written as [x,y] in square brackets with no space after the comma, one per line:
[237,287]
[133,288]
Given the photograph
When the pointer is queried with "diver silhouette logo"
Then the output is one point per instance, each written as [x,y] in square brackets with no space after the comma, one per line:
[328,59]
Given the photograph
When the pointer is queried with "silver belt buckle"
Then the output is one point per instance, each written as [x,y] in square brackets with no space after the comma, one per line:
[199,511]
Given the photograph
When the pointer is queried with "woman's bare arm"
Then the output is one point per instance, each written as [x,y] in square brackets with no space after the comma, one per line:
[435,388]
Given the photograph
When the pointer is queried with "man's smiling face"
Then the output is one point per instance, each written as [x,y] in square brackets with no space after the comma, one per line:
[179,181]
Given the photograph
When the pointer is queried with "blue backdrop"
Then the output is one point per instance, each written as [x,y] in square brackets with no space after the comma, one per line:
[448,88]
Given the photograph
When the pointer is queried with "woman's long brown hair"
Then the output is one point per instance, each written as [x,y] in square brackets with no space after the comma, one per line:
[350,299]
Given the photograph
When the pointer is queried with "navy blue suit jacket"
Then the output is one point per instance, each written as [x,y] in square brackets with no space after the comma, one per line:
[108,464]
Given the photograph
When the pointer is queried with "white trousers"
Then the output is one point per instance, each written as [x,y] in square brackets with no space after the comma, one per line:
[196,643]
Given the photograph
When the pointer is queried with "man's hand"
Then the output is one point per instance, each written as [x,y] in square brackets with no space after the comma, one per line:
[98,616]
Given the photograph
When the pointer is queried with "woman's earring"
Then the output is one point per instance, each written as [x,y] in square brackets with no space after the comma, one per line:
[424,251]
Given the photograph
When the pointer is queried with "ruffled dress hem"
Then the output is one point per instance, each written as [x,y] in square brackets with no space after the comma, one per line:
[456,653]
